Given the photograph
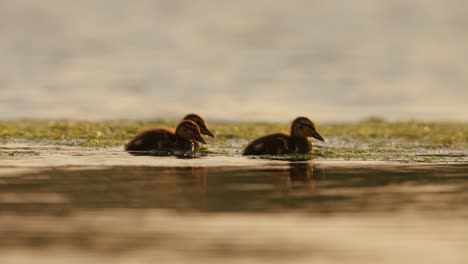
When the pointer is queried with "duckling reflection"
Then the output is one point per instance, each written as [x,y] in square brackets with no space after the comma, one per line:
[296,173]
[301,171]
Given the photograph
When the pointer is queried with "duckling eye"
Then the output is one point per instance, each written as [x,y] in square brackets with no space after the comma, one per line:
[301,127]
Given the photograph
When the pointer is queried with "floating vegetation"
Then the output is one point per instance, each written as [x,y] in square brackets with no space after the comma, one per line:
[286,157]
[13,153]
[370,139]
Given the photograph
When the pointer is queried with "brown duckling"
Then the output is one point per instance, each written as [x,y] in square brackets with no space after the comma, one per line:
[200,122]
[203,127]
[282,143]
[164,139]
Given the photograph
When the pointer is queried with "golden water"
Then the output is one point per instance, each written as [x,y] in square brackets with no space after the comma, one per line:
[96,206]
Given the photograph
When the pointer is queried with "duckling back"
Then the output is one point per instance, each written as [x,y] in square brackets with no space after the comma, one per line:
[277,144]
[152,139]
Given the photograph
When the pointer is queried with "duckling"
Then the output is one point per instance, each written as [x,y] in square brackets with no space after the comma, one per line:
[282,143]
[166,140]
[200,122]
[203,127]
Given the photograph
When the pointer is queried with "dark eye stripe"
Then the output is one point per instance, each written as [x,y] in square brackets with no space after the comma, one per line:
[192,129]
[201,123]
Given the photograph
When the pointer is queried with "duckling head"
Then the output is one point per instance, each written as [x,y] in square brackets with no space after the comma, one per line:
[304,127]
[200,122]
[189,130]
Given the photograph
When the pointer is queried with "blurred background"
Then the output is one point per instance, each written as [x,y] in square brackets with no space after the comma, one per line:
[241,60]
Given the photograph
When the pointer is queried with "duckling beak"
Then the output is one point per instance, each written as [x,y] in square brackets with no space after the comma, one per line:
[200,139]
[316,135]
[207,132]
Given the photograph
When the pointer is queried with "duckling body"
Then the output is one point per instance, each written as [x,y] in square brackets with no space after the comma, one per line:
[152,139]
[277,144]
[166,140]
[282,143]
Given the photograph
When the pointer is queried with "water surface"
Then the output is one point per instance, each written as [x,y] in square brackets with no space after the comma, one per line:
[330,212]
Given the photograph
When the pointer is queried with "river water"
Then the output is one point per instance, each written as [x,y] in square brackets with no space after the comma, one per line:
[234,60]
[241,60]
[60,204]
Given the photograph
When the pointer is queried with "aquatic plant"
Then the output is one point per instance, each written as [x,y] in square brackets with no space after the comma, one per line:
[370,139]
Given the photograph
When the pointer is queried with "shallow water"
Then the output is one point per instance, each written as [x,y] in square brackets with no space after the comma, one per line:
[279,187]
[111,206]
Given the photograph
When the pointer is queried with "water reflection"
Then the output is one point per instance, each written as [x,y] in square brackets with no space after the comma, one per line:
[300,171]
[295,186]
[213,214]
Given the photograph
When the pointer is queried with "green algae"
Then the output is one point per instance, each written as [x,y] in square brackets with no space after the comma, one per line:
[359,154]
[75,133]
[370,139]
[15,153]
